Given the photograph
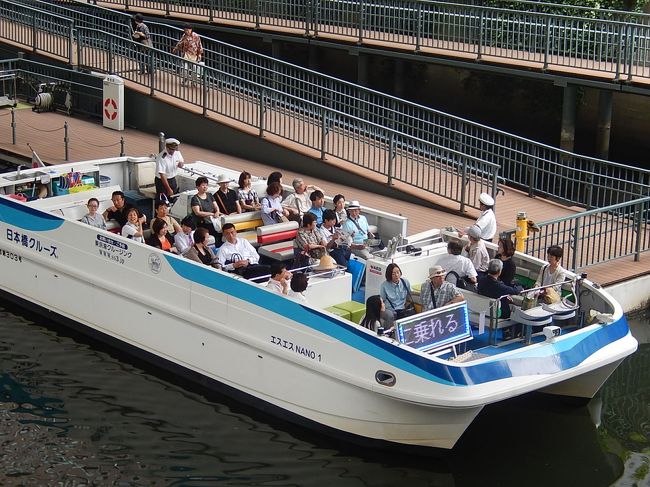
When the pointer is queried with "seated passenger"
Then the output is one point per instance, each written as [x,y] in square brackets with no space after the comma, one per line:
[160,236]
[93,218]
[504,253]
[226,198]
[309,241]
[162,212]
[459,264]
[337,246]
[490,286]
[339,209]
[357,226]
[133,227]
[394,291]
[280,277]
[204,207]
[435,292]
[119,210]
[317,199]
[298,202]
[185,238]
[375,309]
[298,285]
[476,250]
[200,252]
[272,210]
[248,199]
[553,272]
[239,256]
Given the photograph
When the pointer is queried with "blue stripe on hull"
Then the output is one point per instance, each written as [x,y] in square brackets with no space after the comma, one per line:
[27,218]
[557,357]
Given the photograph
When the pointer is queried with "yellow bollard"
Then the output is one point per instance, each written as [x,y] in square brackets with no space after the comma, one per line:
[521,233]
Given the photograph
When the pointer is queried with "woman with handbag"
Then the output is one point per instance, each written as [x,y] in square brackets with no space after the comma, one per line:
[309,240]
[396,293]
[553,273]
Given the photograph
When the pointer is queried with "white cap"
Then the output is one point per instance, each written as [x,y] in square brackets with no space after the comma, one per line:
[354,205]
[222,178]
[486,199]
[172,141]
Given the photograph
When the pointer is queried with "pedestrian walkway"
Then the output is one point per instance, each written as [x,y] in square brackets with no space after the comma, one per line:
[89,140]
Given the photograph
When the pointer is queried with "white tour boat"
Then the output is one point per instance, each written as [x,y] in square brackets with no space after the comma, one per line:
[309,363]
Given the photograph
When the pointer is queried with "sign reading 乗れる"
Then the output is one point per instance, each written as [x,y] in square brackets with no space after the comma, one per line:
[435,328]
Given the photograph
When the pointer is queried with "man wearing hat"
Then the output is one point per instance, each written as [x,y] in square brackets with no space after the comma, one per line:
[357,226]
[435,292]
[476,250]
[167,164]
[226,198]
[487,221]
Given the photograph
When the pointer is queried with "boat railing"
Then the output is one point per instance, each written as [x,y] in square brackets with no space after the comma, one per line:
[596,236]
[414,139]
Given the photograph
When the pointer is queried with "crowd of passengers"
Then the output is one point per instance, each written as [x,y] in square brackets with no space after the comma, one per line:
[326,238]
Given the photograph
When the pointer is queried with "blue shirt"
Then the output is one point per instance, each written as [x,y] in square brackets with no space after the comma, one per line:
[319,214]
[359,235]
[394,295]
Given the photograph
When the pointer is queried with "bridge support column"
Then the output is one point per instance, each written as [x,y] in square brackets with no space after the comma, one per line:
[568,130]
[398,85]
[276,49]
[362,70]
[604,127]
[313,58]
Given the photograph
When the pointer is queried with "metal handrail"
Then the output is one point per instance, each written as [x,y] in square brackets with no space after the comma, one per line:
[588,238]
[598,36]
[576,179]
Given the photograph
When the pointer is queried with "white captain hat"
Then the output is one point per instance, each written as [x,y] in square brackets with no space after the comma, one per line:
[486,199]
[172,141]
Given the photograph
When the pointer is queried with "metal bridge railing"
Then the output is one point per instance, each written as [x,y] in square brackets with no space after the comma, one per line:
[595,39]
[531,166]
[595,236]
[272,109]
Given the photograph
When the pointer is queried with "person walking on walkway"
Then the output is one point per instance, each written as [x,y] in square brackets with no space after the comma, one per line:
[189,48]
[142,36]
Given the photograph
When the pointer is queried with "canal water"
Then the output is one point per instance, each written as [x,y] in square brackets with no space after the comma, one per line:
[75,413]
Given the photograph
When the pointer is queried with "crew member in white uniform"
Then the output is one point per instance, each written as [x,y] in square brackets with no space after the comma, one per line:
[167,164]
[487,222]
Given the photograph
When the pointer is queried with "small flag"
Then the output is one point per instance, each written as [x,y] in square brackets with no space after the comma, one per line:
[36,161]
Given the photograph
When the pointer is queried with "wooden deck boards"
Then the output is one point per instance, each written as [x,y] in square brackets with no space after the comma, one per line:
[89,140]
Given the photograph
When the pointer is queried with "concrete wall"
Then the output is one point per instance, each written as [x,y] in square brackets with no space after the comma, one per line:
[634,295]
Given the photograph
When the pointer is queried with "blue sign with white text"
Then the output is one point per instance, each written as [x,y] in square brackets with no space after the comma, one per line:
[435,328]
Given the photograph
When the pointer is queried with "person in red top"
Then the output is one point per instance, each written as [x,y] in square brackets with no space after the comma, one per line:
[160,237]
[189,48]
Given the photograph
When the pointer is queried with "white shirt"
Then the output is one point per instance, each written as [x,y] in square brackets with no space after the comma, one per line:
[300,297]
[129,230]
[275,286]
[168,165]
[183,241]
[241,249]
[300,201]
[478,255]
[487,222]
[458,264]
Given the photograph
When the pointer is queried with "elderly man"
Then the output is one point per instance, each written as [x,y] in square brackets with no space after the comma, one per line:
[357,226]
[298,202]
[436,292]
[226,198]
[476,250]
[237,255]
[492,287]
[167,164]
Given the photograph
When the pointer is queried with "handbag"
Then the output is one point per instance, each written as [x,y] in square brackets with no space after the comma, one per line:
[409,306]
[551,296]
[216,223]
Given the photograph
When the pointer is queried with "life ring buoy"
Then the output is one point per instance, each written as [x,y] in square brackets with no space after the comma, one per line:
[110,109]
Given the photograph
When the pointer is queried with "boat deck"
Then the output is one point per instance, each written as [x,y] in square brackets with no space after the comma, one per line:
[89,140]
